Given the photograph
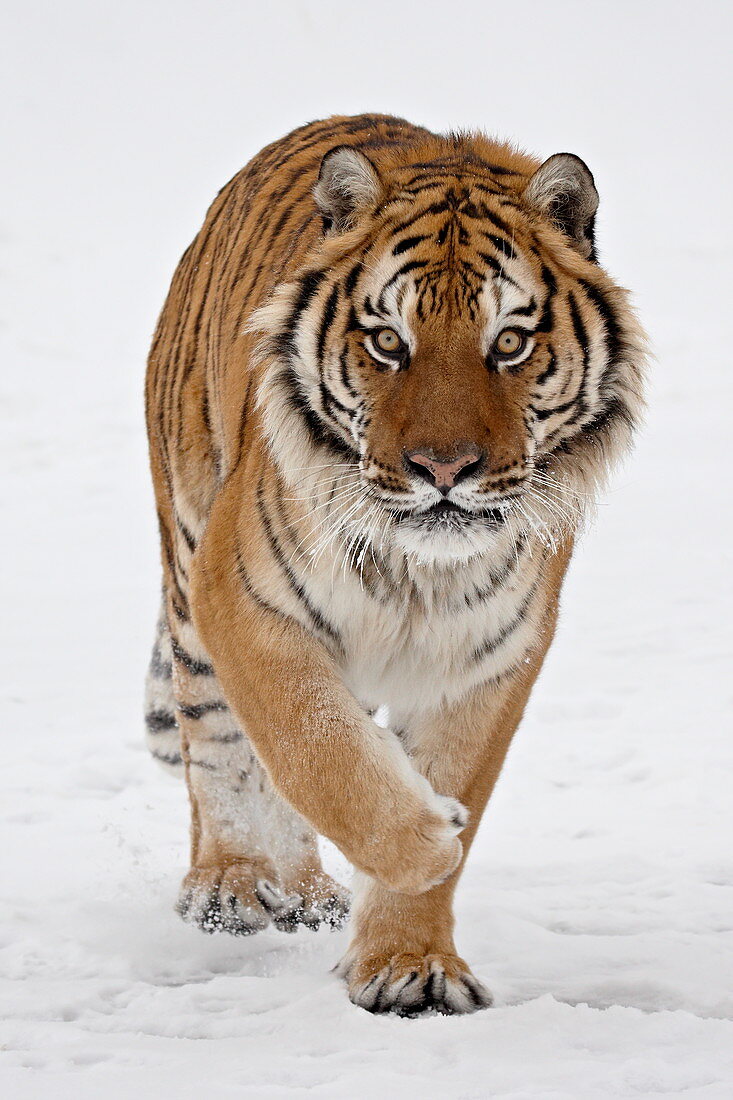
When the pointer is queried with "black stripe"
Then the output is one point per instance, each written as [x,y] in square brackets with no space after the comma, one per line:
[178,599]
[198,710]
[543,414]
[525,311]
[497,170]
[548,278]
[546,321]
[506,482]
[616,409]
[345,380]
[330,402]
[549,369]
[613,328]
[467,268]
[180,612]
[442,236]
[498,190]
[490,645]
[442,166]
[159,721]
[187,536]
[352,277]
[321,433]
[434,208]
[499,577]
[195,667]
[241,430]
[168,757]
[316,616]
[495,220]
[496,267]
[329,313]
[353,324]
[502,245]
[578,327]
[429,185]
[581,335]
[411,265]
[407,243]
[252,591]
[232,737]
[309,285]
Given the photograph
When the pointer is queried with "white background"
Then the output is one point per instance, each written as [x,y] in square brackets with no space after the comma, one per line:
[598,901]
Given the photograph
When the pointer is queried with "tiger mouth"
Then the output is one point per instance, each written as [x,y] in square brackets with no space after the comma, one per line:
[448,514]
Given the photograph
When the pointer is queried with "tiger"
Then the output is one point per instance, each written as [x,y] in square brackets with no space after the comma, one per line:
[387,385]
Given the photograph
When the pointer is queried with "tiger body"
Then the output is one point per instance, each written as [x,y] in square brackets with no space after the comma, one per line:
[346,526]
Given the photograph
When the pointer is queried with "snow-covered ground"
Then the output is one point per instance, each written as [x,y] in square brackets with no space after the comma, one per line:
[598,901]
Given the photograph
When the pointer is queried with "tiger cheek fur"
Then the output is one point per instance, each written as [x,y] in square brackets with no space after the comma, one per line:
[388,379]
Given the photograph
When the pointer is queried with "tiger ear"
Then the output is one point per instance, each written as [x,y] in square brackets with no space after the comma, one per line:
[347,183]
[563,190]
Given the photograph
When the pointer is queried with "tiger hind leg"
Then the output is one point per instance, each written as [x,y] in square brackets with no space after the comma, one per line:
[161,724]
[254,861]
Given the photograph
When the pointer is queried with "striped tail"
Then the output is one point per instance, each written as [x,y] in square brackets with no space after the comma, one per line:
[161,726]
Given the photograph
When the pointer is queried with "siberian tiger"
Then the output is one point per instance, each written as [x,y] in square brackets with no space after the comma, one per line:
[388,380]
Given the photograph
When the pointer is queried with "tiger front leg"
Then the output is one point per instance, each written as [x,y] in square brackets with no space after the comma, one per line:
[344,774]
[235,883]
[402,957]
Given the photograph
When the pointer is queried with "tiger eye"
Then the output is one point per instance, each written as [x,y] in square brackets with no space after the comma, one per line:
[509,342]
[388,341]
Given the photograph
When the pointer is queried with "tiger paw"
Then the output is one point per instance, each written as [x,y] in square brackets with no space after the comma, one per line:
[411,984]
[423,850]
[224,899]
[323,900]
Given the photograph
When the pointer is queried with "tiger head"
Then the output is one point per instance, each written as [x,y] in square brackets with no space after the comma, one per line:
[453,347]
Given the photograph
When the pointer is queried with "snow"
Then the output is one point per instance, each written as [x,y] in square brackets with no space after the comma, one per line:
[598,901]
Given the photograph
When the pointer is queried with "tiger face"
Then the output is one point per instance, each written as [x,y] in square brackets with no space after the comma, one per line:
[455,342]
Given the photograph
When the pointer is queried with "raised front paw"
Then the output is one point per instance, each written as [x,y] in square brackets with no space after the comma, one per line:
[424,850]
[410,985]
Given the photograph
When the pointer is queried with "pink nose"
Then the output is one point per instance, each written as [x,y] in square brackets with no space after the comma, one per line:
[443,475]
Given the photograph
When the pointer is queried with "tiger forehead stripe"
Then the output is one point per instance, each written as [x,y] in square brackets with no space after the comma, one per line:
[408,243]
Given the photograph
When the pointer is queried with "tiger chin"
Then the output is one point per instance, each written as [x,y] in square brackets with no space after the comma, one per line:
[388,382]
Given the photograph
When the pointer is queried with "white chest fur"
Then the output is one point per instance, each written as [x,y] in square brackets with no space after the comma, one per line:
[428,637]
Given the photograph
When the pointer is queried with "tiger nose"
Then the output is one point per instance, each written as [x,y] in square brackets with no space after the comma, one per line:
[443,473]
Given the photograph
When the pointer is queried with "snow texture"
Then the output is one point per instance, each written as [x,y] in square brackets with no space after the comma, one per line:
[598,901]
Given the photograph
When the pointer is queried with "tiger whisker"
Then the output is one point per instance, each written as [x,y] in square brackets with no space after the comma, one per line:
[561,486]
[312,538]
[326,486]
[531,520]
[331,534]
[326,466]
[554,507]
[328,519]
[343,493]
